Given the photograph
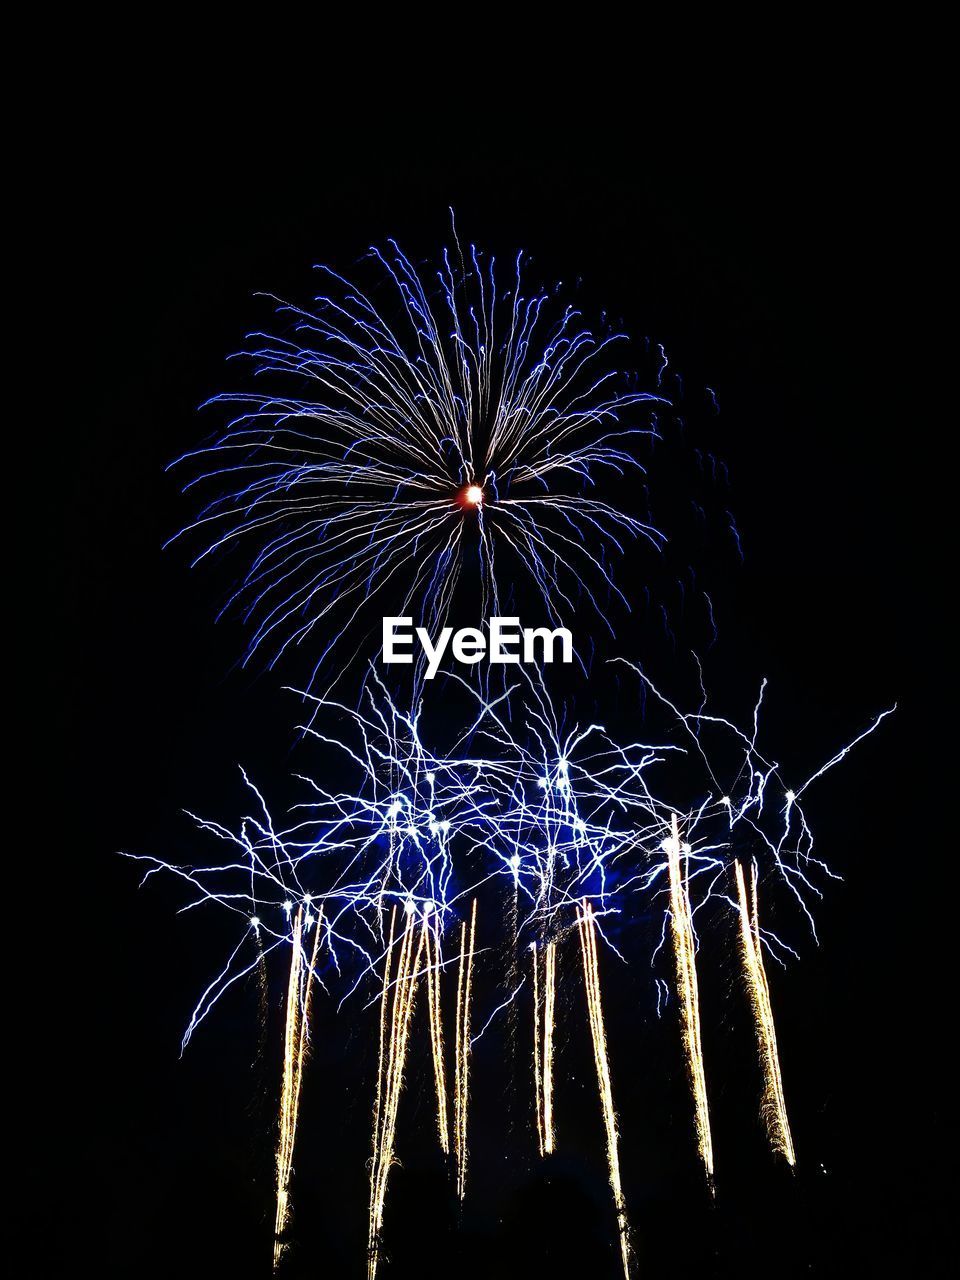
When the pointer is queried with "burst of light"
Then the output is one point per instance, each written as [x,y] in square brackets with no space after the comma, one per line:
[594,847]
[436,392]
[347,853]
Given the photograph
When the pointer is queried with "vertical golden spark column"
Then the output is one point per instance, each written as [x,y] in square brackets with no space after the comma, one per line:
[296,1035]
[774,1109]
[543,1024]
[537,1070]
[549,1003]
[378,1097]
[684,949]
[433,964]
[591,980]
[462,1073]
[388,1092]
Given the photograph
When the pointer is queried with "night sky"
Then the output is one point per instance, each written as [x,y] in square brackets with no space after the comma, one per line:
[776,268]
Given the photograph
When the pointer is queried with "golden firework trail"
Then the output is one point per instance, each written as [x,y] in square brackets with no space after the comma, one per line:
[774,1109]
[537,1069]
[462,1070]
[684,949]
[591,978]
[513,983]
[378,1096]
[543,1015]
[393,1053]
[296,1036]
[434,964]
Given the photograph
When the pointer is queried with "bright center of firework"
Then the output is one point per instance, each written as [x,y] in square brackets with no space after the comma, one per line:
[473,496]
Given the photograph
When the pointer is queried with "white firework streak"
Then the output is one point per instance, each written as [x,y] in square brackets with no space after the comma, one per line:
[564,813]
[450,410]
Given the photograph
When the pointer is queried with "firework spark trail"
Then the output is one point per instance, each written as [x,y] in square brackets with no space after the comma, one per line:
[289,1090]
[560,812]
[684,947]
[549,1002]
[513,982]
[381,1071]
[388,1096]
[296,1037]
[751,950]
[566,813]
[434,967]
[537,1069]
[462,1074]
[591,977]
[543,1026]
[547,1129]
[474,413]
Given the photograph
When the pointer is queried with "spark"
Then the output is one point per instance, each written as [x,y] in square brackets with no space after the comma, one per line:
[462,1072]
[455,420]
[591,977]
[543,1044]
[296,1036]
[537,1068]
[569,819]
[404,991]
[378,1095]
[774,1108]
[559,812]
[434,967]
[438,392]
[549,1003]
[684,948]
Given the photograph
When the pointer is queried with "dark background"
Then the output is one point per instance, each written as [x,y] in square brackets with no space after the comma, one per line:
[778,261]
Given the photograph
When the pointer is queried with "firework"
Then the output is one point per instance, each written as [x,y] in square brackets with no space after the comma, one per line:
[571,818]
[537,1053]
[441,437]
[296,1035]
[389,1087]
[449,407]
[774,1108]
[543,1014]
[563,814]
[462,1074]
[684,949]
[591,979]
[434,967]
